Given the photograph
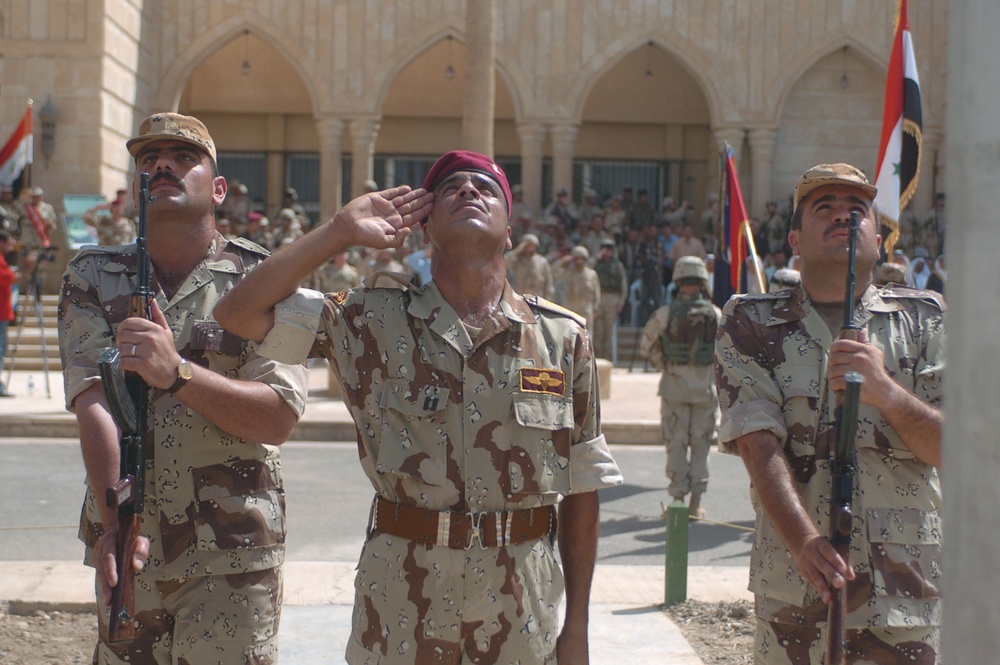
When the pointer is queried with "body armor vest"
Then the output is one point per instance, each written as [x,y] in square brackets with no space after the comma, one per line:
[690,335]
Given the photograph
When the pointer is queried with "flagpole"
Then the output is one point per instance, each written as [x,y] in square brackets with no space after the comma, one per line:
[745,227]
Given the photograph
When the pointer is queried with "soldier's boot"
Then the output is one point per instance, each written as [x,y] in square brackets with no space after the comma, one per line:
[695,510]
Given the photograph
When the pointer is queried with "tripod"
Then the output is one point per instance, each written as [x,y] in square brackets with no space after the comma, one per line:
[34,293]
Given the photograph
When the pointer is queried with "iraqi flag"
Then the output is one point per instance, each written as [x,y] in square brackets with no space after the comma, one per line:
[902,132]
[17,152]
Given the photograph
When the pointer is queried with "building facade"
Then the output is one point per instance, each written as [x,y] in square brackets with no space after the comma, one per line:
[322,95]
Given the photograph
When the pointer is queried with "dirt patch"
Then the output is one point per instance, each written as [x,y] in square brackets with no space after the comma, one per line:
[47,638]
[720,633]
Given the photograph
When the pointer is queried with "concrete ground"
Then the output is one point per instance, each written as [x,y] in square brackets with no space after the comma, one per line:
[37,523]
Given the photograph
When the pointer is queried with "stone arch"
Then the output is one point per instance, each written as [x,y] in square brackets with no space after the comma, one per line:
[813,121]
[175,77]
[797,68]
[391,66]
[682,50]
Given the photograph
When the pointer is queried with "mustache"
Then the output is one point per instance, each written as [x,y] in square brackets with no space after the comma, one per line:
[164,176]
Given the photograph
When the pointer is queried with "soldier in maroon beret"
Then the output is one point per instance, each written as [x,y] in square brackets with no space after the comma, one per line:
[477,419]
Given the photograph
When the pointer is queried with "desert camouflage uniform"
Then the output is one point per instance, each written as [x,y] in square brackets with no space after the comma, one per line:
[689,408]
[614,290]
[581,291]
[507,421]
[109,230]
[530,275]
[770,364]
[328,278]
[215,503]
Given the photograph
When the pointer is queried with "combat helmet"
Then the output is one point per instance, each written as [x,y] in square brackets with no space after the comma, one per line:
[690,267]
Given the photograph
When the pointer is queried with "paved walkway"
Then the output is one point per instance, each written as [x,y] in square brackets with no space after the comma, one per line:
[625,614]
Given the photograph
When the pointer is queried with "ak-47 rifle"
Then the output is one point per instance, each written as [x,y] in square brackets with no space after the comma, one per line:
[842,469]
[128,399]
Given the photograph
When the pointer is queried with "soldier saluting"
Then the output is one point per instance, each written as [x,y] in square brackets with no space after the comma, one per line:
[476,410]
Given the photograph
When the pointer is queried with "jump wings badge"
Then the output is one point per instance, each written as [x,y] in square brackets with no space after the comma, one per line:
[540,380]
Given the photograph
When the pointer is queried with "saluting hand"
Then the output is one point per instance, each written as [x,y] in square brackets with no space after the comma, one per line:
[384,219]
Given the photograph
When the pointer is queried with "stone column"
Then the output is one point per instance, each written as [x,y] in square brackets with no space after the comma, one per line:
[532,136]
[761,141]
[731,135]
[971,631]
[563,138]
[480,76]
[364,131]
[331,131]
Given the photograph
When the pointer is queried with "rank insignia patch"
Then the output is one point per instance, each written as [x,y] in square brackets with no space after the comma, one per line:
[535,380]
[339,297]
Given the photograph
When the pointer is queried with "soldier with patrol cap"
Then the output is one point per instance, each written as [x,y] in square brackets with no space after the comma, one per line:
[781,362]
[679,340]
[477,413]
[213,529]
[614,290]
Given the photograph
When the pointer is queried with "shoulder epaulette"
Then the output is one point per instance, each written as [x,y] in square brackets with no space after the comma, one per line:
[549,306]
[249,245]
[898,292]
[388,280]
[106,249]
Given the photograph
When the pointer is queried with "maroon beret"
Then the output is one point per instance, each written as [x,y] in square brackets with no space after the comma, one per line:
[464,160]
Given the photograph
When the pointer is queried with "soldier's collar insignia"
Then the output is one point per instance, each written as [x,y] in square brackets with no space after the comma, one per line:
[541,380]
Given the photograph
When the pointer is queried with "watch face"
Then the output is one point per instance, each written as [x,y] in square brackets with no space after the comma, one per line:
[184,371]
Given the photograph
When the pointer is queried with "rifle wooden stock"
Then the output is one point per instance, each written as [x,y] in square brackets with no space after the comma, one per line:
[128,398]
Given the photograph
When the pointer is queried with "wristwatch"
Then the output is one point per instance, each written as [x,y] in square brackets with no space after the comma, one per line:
[184,374]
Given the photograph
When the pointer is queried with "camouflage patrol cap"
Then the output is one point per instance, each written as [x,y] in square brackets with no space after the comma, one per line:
[832,174]
[580,252]
[172,127]
[891,272]
[690,267]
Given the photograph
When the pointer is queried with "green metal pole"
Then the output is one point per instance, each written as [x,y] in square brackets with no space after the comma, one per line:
[675,579]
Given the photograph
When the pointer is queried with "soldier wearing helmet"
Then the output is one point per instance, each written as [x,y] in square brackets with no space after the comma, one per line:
[679,340]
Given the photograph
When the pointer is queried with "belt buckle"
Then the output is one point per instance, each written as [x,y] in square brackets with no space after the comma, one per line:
[475,532]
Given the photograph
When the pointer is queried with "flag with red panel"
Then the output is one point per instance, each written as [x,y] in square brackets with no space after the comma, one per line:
[17,152]
[733,241]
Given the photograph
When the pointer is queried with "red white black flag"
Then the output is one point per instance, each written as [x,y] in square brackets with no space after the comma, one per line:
[17,152]
[902,131]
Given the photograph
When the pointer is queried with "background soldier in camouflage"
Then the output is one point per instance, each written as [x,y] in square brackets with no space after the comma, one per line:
[679,339]
[580,287]
[779,368]
[214,522]
[476,410]
[614,290]
[530,272]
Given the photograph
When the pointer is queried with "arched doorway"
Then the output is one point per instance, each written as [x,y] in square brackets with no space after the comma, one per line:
[259,111]
[646,124]
[422,117]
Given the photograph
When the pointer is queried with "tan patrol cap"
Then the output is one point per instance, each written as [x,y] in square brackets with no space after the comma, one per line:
[172,127]
[832,174]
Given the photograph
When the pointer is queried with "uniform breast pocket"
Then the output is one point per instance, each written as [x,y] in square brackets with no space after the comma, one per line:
[413,439]
[539,451]
[239,504]
[906,552]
